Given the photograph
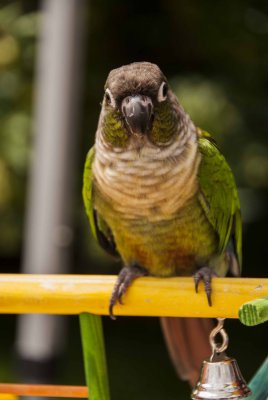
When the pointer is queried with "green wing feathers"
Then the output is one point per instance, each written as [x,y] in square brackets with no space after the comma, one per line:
[218,195]
[99,228]
[87,190]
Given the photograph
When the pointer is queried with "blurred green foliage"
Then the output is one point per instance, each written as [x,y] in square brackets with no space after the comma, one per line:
[17,47]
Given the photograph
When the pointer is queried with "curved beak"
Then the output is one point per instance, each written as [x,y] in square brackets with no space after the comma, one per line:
[138,113]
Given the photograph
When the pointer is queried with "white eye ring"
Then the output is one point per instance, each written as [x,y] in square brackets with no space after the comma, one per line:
[162,92]
[109,98]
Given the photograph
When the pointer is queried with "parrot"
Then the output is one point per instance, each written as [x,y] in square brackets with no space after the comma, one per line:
[161,197]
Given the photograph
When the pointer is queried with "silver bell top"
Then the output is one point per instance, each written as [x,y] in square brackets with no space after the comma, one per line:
[221,379]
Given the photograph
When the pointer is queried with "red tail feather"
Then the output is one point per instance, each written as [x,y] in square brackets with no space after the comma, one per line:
[187,341]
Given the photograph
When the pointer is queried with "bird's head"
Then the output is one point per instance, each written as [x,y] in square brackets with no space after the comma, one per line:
[138,107]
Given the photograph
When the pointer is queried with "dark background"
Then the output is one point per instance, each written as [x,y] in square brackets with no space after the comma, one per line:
[215,55]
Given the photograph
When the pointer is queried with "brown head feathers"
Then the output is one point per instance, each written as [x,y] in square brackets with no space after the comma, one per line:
[131,79]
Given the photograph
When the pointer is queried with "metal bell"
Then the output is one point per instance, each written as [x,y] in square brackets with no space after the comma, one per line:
[221,379]
[220,376]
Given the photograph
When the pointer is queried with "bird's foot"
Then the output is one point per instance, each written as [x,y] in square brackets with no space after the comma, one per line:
[124,280]
[204,274]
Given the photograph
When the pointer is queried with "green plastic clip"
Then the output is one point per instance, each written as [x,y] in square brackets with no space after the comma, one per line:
[254,312]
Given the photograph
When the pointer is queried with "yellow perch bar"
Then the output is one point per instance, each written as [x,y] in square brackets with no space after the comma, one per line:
[74,294]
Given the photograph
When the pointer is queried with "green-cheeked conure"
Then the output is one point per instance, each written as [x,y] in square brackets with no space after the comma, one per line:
[160,195]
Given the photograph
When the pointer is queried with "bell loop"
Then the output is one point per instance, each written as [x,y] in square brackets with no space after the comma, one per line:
[218,348]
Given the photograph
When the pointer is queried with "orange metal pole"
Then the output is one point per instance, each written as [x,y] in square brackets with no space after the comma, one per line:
[44,390]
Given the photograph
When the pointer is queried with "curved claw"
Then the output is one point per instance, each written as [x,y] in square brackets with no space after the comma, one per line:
[124,280]
[121,292]
[111,313]
[196,283]
[205,274]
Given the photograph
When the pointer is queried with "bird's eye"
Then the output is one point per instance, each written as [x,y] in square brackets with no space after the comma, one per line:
[109,98]
[162,92]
